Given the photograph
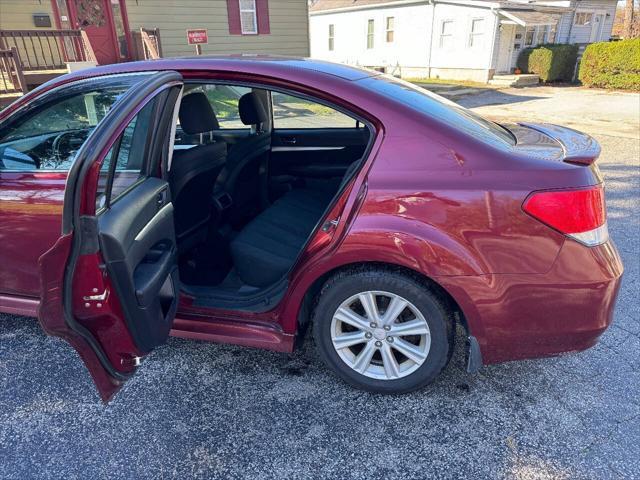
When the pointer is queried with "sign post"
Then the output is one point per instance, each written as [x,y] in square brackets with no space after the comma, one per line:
[197,37]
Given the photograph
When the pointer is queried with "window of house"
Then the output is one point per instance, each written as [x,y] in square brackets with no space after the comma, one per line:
[446,34]
[53,128]
[123,166]
[390,29]
[477,32]
[370,32]
[541,34]
[583,18]
[294,112]
[332,30]
[529,36]
[248,18]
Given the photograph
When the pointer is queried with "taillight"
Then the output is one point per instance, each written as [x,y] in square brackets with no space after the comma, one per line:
[579,214]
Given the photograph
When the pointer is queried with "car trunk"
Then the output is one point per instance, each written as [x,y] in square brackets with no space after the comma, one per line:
[552,142]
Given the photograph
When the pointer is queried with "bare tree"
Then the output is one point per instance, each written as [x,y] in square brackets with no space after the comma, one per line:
[627,31]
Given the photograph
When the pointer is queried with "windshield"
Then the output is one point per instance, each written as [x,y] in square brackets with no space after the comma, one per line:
[440,108]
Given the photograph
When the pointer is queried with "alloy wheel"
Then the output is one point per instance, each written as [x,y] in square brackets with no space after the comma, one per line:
[380,335]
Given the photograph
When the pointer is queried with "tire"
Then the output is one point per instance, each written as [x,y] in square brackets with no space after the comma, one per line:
[384,287]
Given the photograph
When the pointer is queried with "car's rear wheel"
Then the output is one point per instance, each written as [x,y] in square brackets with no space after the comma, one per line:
[382,331]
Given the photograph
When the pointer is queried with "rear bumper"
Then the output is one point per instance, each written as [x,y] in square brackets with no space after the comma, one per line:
[517,316]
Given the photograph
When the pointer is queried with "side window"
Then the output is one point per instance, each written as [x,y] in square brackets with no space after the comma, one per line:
[224,102]
[291,112]
[124,166]
[47,134]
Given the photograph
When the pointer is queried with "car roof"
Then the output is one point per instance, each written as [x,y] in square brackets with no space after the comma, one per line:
[279,66]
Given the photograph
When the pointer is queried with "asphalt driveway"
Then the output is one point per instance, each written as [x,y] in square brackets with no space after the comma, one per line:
[211,411]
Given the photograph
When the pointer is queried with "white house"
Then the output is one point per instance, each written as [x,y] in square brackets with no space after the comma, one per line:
[454,39]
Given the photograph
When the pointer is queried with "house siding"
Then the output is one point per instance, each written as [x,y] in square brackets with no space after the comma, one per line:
[460,54]
[582,34]
[411,54]
[18,14]
[288,23]
[410,47]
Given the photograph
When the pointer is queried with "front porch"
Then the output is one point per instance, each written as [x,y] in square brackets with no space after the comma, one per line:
[29,58]
[519,29]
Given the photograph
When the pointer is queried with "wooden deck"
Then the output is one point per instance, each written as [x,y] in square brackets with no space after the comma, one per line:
[38,77]
[33,79]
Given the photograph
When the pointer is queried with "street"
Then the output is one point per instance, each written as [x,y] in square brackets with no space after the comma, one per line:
[201,410]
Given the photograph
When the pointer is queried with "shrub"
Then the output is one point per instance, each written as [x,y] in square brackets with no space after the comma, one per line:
[550,61]
[612,65]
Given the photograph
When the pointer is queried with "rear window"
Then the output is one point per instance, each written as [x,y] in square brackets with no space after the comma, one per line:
[441,109]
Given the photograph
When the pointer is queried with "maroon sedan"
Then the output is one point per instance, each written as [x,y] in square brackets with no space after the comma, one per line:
[241,200]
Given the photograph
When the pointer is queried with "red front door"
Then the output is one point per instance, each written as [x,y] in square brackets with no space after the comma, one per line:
[96,19]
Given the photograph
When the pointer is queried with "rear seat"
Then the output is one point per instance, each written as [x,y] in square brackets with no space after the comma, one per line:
[266,248]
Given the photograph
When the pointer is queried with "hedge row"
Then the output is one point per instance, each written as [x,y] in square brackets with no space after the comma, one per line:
[552,62]
[611,65]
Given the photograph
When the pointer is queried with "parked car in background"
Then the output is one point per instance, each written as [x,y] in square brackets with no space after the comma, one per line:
[241,199]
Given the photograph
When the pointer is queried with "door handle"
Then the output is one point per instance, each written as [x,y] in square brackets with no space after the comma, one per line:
[288,140]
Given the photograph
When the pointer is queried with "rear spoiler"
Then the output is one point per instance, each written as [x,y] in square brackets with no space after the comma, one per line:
[579,148]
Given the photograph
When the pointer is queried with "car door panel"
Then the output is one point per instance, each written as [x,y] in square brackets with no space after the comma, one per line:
[315,153]
[137,242]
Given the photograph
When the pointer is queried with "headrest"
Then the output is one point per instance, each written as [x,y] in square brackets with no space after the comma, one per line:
[196,114]
[251,109]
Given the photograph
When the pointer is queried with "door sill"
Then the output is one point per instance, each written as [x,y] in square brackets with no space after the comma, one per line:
[245,334]
[15,305]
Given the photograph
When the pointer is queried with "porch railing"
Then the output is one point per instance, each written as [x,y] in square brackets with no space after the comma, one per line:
[48,49]
[11,77]
[146,44]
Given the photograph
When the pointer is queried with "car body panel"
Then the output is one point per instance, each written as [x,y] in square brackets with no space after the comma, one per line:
[432,199]
[30,223]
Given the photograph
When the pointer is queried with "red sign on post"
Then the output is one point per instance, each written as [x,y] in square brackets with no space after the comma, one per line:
[197,36]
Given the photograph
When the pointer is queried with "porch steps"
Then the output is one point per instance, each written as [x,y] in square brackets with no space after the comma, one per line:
[521,80]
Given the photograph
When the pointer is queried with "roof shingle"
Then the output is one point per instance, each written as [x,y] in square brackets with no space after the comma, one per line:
[321,5]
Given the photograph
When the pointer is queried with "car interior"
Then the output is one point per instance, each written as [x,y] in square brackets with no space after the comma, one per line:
[252,174]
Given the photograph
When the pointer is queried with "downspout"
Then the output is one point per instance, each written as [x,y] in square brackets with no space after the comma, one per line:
[496,30]
[433,19]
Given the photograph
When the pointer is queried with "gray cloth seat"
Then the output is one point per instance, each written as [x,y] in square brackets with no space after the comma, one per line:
[240,178]
[267,247]
[194,171]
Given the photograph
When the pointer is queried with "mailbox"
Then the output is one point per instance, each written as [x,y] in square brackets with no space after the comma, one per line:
[41,20]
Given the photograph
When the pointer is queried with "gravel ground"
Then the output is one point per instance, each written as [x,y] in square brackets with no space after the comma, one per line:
[199,410]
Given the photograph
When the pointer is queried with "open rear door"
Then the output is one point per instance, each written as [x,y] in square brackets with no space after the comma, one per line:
[110,283]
